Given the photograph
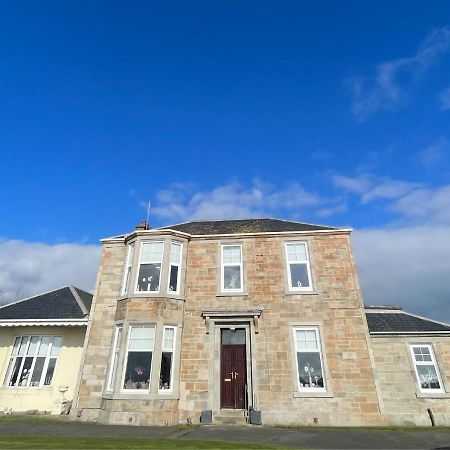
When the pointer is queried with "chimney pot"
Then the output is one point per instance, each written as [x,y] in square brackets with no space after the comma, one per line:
[144,225]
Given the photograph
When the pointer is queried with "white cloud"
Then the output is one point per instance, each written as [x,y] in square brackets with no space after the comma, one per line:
[434,152]
[406,266]
[357,185]
[444,99]
[371,188]
[390,86]
[425,205]
[387,189]
[237,200]
[28,268]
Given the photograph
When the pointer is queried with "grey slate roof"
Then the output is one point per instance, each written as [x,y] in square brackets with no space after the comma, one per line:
[399,321]
[243,226]
[58,304]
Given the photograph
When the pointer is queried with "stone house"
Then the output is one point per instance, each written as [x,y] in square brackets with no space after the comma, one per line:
[41,344]
[212,319]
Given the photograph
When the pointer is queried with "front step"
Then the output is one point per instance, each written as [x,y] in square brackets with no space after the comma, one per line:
[230,417]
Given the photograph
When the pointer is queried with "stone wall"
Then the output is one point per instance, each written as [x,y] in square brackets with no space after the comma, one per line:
[400,399]
[335,306]
[354,396]
[100,330]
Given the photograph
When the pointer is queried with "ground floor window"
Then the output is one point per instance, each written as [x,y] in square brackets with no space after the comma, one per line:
[165,374]
[33,361]
[310,373]
[426,368]
[114,357]
[138,367]
[133,353]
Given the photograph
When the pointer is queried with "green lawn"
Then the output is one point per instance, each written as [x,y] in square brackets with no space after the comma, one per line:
[15,442]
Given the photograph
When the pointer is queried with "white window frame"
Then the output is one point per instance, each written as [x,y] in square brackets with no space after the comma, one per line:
[114,360]
[126,280]
[125,360]
[307,263]
[48,357]
[433,362]
[223,265]
[136,291]
[167,350]
[176,264]
[318,350]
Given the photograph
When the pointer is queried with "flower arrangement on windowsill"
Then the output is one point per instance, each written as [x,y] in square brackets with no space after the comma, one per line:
[314,380]
[135,380]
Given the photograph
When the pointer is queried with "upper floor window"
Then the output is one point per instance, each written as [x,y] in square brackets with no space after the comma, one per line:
[174,269]
[298,269]
[138,367]
[150,263]
[128,267]
[33,361]
[426,368]
[231,268]
[310,373]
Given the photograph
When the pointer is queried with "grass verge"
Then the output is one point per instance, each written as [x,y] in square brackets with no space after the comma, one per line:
[19,442]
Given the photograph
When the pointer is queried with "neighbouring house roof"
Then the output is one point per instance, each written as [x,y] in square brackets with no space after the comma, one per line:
[393,320]
[206,227]
[68,305]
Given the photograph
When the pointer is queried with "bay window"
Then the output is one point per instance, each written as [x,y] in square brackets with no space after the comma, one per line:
[165,375]
[138,367]
[426,369]
[150,264]
[174,269]
[114,357]
[128,267]
[33,361]
[310,372]
[231,268]
[298,268]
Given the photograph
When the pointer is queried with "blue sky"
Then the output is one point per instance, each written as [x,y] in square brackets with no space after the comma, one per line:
[329,113]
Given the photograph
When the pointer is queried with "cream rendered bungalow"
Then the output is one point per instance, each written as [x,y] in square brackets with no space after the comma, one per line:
[257,320]
[41,344]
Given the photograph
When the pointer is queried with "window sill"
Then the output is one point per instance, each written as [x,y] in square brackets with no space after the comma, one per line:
[232,294]
[436,395]
[152,295]
[302,293]
[129,396]
[25,389]
[313,395]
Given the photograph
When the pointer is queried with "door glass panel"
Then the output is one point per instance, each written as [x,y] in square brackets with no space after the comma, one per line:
[233,337]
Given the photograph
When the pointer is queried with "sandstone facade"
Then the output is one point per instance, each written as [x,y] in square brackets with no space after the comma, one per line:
[360,382]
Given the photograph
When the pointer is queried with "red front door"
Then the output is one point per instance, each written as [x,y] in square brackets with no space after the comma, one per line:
[233,369]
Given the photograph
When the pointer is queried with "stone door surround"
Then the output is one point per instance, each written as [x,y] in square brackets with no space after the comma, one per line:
[224,318]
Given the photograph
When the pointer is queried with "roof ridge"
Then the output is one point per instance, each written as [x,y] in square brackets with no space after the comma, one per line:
[384,307]
[303,223]
[209,220]
[169,227]
[426,318]
[34,296]
[82,290]
[80,302]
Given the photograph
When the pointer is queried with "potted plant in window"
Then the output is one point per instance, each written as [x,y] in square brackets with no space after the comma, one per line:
[139,373]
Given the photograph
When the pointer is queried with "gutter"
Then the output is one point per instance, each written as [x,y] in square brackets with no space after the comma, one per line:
[44,323]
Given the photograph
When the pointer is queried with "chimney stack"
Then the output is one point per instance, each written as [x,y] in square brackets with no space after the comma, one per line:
[144,225]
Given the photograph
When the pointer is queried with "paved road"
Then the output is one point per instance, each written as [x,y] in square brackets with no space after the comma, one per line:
[311,438]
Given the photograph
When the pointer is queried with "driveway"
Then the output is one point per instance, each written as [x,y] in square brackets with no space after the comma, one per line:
[310,438]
